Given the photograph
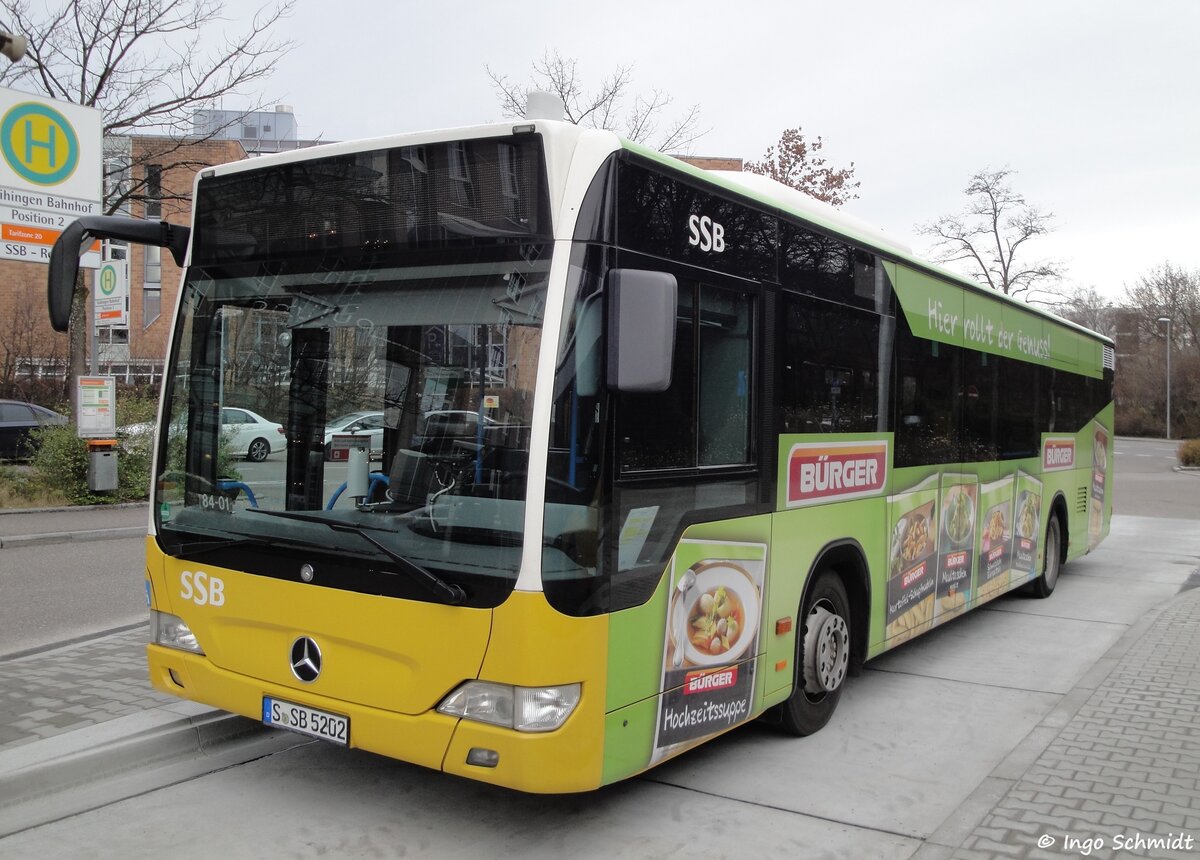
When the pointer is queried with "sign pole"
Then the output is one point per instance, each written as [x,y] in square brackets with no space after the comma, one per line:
[92,345]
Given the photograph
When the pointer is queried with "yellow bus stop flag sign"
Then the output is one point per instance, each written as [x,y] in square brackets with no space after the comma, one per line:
[39,143]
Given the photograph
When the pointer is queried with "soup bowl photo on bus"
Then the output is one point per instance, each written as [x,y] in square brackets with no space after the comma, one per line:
[716,617]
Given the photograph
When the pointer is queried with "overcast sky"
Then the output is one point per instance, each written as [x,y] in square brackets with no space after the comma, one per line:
[1095,104]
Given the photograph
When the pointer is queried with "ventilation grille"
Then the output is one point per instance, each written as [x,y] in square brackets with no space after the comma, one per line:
[1110,358]
[1081,500]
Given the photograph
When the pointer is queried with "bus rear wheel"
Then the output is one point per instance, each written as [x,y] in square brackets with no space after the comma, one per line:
[822,656]
[1043,586]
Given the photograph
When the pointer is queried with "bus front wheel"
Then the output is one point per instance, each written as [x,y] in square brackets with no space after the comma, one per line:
[1043,586]
[822,656]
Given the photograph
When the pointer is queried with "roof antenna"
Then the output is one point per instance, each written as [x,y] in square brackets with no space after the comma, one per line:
[540,105]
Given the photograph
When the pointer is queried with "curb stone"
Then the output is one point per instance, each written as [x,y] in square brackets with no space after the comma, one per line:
[65,537]
[70,509]
[83,769]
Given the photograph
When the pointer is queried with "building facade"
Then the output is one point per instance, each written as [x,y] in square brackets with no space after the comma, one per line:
[259,132]
[157,173]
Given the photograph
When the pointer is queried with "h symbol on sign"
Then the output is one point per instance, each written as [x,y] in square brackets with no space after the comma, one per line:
[31,142]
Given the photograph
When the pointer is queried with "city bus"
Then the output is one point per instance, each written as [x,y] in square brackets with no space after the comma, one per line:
[655,451]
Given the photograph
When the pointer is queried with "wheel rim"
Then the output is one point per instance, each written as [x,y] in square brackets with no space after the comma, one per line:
[826,650]
[258,450]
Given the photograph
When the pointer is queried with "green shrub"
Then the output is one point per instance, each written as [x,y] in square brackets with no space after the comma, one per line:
[61,463]
[136,409]
[1189,453]
[20,488]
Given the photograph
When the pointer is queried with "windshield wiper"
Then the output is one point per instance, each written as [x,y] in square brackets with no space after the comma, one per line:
[448,591]
[211,542]
[486,535]
[199,547]
[329,309]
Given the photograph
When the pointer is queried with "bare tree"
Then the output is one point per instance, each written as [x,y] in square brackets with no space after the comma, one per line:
[1171,292]
[22,335]
[149,65]
[990,234]
[611,106]
[796,162]
[1085,306]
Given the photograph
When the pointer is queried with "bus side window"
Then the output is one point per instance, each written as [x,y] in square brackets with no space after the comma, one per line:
[929,405]
[658,431]
[704,418]
[726,360]
[830,380]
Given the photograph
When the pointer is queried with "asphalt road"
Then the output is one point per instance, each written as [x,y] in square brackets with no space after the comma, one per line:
[60,592]
[66,591]
[1146,484]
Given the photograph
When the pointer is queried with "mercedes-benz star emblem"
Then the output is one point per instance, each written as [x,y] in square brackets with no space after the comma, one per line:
[306,659]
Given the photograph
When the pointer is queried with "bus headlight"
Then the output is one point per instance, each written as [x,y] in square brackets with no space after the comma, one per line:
[171,631]
[526,709]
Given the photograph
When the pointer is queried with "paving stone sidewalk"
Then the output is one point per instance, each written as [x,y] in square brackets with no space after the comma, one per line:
[58,691]
[1124,771]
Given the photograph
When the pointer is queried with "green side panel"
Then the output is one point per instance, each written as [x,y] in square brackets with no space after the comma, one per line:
[939,540]
[799,537]
[635,636]
[961,535]
[943,311]
[832,488]
[628,738]
[645,683]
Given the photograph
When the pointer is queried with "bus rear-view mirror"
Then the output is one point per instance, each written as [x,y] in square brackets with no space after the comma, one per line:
[641,329]
[64,256]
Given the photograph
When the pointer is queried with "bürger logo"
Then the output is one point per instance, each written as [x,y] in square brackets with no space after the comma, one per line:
[914,575]
[1058,454]
[825,471]
[706,682]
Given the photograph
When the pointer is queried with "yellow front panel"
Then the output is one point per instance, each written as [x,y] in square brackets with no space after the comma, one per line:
[387,663]
[398,655]
[534,645]
[418,739]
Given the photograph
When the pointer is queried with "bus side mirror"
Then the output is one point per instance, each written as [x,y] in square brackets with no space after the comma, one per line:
[64,256]
[641,329]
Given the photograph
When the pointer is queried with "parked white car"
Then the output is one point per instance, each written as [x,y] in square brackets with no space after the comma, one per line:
[251,435]
[243,433]
[369,424]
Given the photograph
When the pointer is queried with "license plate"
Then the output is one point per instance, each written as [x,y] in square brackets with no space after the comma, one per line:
[307,721]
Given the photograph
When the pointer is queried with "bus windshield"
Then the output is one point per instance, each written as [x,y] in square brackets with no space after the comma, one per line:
[371,422]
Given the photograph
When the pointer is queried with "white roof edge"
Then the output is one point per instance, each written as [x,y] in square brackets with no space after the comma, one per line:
[799,203]
[389,141]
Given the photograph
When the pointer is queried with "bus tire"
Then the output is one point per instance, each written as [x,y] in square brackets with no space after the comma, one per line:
[822,656]
[1043,586]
